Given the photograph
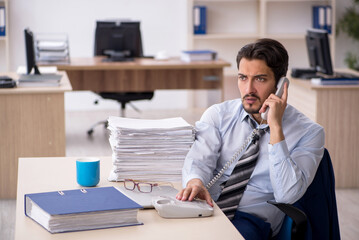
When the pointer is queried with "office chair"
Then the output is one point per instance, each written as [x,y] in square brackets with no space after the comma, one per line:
[315,215]
[120,41]
[122,98]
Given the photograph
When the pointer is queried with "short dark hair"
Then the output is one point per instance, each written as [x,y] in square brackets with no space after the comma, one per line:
[269,50]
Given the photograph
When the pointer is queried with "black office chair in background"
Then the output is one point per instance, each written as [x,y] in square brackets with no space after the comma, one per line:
[120,41]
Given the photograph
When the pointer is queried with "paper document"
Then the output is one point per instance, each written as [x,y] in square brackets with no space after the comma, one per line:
[146,149]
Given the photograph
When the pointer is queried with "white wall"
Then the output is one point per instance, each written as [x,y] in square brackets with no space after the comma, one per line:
[163,26]
[162,22]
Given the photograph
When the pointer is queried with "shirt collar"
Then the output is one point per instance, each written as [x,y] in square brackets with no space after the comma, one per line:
[244,116]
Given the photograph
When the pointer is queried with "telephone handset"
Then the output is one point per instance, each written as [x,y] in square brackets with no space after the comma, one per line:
[279,93]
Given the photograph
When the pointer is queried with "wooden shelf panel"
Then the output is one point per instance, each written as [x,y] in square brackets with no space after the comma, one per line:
[234,23]
[226,36]
[223,1]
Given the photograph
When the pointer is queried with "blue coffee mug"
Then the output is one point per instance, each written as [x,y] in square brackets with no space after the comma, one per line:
[88,171]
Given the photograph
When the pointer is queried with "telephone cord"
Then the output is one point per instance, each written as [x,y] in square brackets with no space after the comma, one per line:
[239,153]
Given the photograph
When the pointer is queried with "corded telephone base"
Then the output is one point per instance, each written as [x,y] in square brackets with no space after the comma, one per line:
[170,207]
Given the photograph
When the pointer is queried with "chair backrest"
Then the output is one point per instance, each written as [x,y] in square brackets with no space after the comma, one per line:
[319,203]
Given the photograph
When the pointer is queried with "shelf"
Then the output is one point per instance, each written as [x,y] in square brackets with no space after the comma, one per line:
[289,36]
[223,1]
[225,36]
[229,36]
[289,1]
[233,23]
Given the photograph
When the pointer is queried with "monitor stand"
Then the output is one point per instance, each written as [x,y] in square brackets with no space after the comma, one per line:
[36,70]
[117,56]
[117,59]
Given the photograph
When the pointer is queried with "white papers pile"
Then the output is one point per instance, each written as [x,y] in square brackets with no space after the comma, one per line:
[151,150]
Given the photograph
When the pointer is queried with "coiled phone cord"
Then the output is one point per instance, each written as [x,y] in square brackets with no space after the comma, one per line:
[236,156]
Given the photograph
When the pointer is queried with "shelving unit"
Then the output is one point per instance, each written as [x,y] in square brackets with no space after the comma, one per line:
[234,23]
[4,40]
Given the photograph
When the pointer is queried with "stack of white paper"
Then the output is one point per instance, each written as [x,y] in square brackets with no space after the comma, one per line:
[151,150]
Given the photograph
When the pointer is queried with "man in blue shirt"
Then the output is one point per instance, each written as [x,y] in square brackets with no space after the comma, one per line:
[289,151]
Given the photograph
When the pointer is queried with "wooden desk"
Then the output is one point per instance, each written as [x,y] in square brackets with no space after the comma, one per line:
[52,174]
[336,109]
[32,123]
[143,74]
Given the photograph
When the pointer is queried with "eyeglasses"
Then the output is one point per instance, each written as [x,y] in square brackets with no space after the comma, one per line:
[143,187]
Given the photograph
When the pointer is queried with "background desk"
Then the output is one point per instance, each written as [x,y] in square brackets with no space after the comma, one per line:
[336,109]
[143,74]
[53,174]
[32,123]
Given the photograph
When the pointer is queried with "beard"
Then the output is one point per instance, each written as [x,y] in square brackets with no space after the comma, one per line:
[249,108]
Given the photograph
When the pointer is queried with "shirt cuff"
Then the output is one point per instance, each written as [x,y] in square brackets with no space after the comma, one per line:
[278,152]
[190,177]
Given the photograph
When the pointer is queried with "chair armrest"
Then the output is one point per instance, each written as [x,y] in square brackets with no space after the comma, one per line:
[299,218]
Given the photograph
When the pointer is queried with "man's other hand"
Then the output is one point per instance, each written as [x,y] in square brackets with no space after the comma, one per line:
[195,188]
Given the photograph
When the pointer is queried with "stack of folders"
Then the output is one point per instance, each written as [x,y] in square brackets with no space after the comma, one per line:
[81,209]
[52,48]
[337,79]
[198,55]
[150,150]
[47,78]
[43,80]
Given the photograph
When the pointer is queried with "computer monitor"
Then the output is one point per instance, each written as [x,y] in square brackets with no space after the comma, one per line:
[319,51]
[30,52]
[118,40]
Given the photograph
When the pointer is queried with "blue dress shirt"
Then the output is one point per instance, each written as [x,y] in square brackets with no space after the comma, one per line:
[283,171]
